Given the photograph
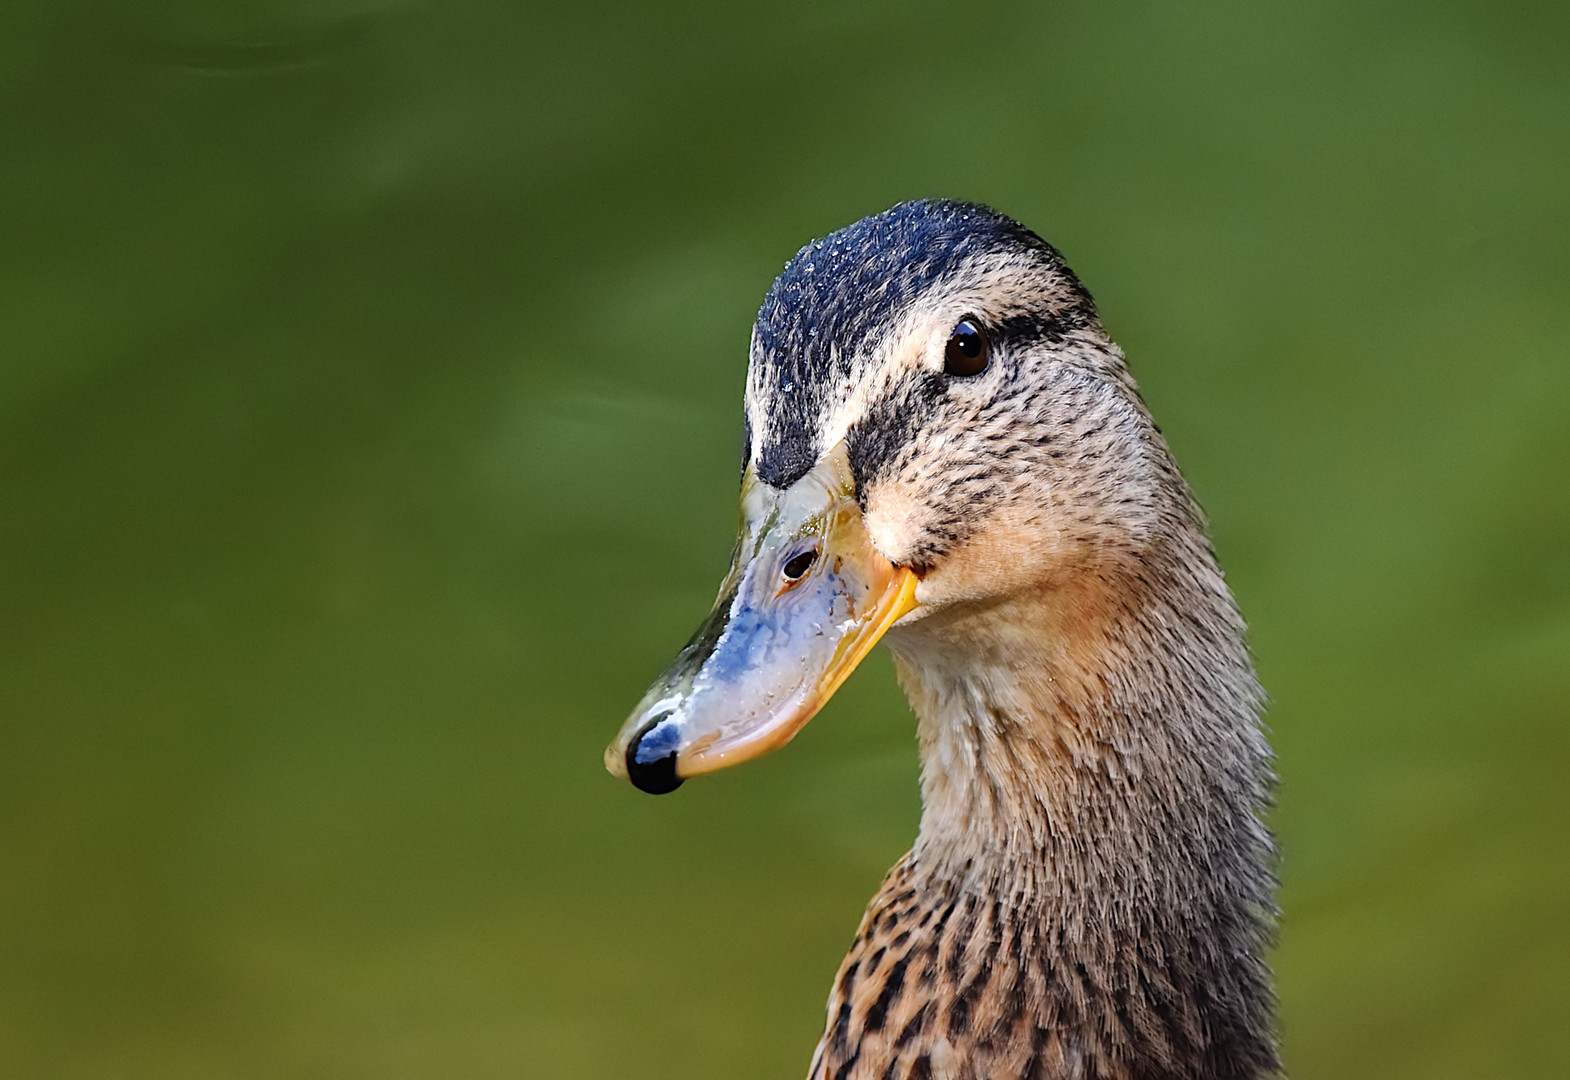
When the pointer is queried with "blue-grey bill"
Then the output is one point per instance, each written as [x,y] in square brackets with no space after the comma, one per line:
[807,596]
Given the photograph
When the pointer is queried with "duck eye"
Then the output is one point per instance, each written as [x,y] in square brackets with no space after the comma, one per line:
[966,352]
[800,564]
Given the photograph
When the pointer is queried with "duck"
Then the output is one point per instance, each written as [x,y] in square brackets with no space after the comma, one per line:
[946,452]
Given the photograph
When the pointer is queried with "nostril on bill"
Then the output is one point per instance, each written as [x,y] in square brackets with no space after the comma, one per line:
[797,567]
[651,756]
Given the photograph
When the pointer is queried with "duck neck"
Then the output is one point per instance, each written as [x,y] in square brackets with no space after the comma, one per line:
[1091,757]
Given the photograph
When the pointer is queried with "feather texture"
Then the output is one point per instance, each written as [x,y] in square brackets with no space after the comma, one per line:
[1090,896]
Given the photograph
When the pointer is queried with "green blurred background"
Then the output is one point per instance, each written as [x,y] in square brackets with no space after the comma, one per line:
[370,381]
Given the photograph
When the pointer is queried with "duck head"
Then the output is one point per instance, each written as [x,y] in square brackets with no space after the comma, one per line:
[936,424]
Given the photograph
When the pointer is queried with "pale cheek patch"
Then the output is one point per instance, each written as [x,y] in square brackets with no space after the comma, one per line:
[1018,548]
[894,520]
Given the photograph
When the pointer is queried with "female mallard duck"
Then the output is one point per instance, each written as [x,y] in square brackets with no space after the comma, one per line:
[946,450]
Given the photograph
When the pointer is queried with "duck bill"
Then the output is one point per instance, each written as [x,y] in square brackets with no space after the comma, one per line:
[807,597]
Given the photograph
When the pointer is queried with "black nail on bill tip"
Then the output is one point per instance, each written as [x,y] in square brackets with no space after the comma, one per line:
[651,757]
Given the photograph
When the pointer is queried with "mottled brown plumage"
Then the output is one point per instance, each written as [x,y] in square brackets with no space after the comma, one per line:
[1088,897]
[1090,893]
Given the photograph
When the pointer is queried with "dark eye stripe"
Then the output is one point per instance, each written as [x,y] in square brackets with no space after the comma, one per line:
[891,422]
